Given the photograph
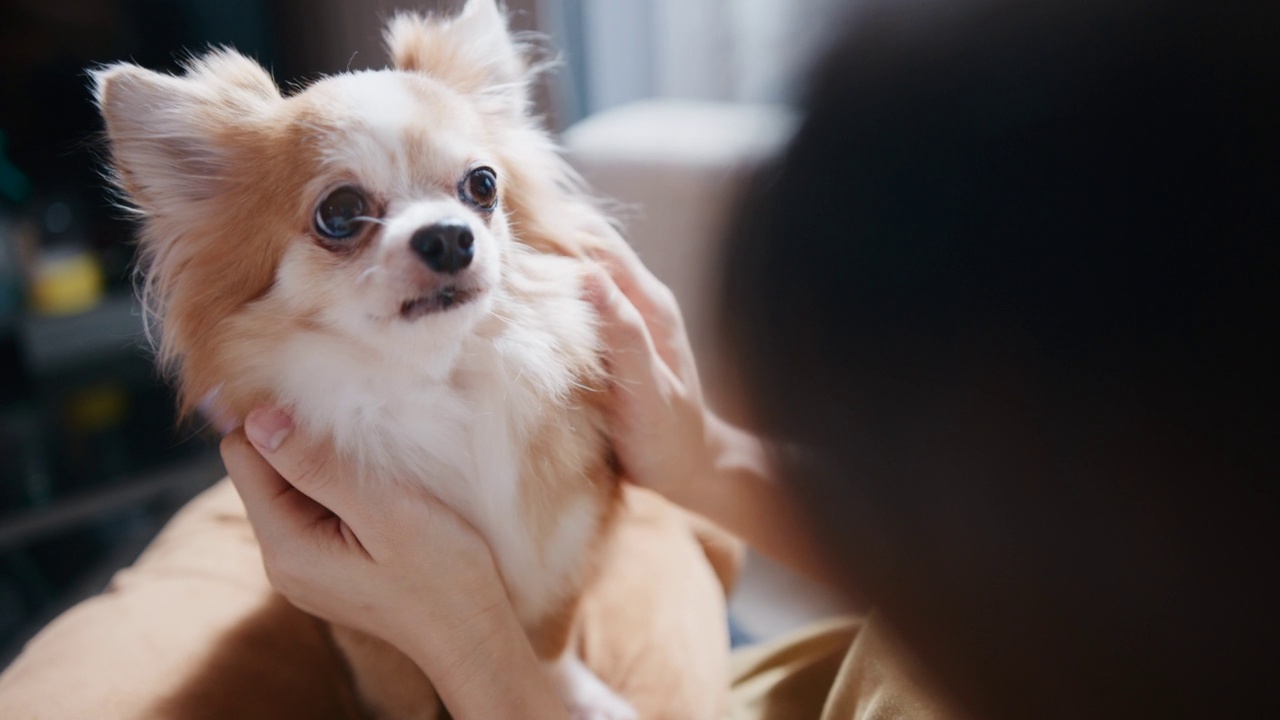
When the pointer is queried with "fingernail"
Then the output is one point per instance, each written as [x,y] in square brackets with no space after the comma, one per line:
[267,428]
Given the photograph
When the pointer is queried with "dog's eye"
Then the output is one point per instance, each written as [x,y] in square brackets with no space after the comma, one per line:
[339,214]
[480,188]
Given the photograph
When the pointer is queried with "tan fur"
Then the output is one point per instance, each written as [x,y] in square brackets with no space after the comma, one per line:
[565,453]
[437,46]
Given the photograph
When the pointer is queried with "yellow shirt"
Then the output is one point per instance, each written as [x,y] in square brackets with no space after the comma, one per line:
[840,670]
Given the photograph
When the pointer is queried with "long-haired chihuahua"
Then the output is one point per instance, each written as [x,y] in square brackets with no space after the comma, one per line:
[394,256]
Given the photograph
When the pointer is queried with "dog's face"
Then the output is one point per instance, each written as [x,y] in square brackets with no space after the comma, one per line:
[402,221]
[373,205]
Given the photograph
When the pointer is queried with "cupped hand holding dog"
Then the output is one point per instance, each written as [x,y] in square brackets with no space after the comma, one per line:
[660,423]
[666,437]
[392,561]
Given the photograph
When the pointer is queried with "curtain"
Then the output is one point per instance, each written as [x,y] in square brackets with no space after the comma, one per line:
[732,50]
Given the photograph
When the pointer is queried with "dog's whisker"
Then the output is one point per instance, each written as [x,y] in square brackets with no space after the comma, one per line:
[504,318]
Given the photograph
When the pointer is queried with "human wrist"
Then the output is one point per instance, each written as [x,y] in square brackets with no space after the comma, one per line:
[736,463]
[731,449]
[700,487]
[482,665]
[439,632]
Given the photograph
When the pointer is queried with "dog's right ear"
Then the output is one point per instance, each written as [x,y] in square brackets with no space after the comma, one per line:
[474,52]
[174,139]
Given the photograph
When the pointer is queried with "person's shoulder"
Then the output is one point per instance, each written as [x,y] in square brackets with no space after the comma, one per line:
[880,680]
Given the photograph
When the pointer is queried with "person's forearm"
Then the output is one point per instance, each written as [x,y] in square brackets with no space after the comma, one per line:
[485,668]
[738,493]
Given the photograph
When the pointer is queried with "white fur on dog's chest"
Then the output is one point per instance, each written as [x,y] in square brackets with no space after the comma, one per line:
[462,435]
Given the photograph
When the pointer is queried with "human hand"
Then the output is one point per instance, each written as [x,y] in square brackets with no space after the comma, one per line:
[659,422]
[384,558]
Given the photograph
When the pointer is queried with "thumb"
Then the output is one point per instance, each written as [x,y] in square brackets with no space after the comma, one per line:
[276,510]
[304,467]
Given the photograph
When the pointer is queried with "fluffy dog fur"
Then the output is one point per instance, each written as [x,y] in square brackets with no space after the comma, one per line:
[494,404]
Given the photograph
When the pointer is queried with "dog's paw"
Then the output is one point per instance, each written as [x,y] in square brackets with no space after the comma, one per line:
[585,696]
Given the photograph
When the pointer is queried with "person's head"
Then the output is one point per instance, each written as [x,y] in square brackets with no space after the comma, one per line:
[1009,291]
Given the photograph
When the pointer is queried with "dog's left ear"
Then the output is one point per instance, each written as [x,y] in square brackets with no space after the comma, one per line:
[473,52]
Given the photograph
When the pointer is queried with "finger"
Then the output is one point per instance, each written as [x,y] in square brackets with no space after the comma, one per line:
[651,297]
[305,468]
[656,303]
[618,309]
[275,508]
[633,359]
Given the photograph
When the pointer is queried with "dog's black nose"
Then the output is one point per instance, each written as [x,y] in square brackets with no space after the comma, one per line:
[446,247]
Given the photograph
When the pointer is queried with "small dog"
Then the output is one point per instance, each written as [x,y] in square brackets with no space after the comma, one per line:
[395,256]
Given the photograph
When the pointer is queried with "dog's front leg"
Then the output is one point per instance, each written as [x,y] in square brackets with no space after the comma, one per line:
[585,695]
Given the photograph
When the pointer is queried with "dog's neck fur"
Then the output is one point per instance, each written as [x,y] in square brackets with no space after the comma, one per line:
[462,421]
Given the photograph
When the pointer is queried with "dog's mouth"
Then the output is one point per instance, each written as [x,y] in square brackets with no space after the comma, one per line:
[442,300]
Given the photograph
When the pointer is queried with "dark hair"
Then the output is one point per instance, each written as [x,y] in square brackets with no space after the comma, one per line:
[1011,290]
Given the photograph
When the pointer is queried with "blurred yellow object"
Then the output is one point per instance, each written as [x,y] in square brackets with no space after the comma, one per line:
[66,284]
[97,408]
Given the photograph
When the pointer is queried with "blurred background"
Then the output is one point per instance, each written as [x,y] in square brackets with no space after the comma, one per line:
[662,104]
